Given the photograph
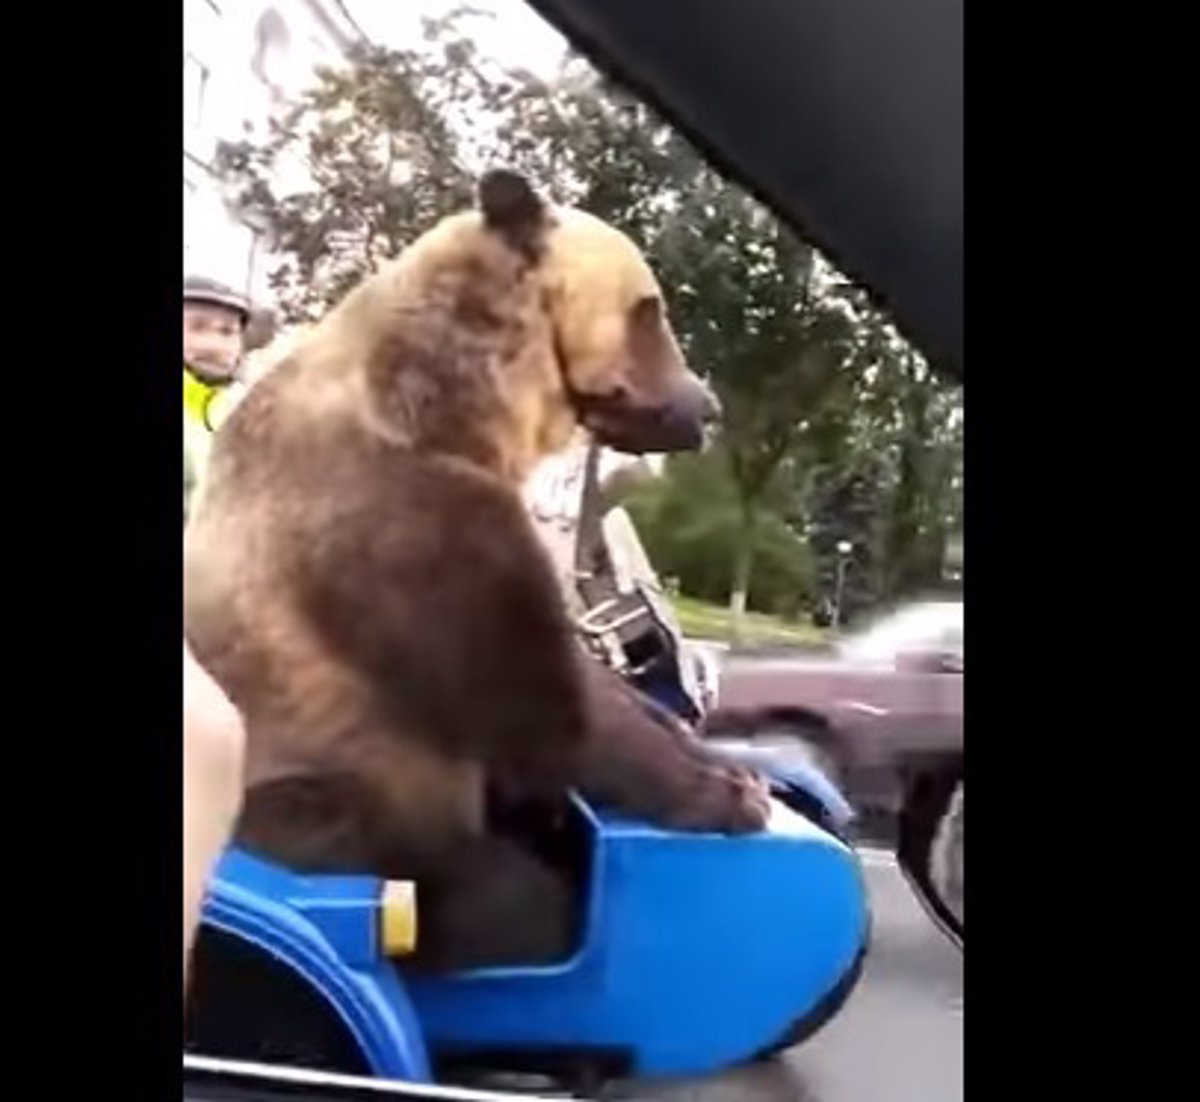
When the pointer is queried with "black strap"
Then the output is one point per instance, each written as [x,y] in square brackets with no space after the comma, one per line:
[627,618]
[590,556]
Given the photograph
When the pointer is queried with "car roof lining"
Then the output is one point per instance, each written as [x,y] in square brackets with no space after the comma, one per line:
[847,122]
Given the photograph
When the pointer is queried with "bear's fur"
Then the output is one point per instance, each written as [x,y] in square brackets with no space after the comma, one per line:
[362,578]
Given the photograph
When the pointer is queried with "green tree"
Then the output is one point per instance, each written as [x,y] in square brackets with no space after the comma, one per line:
[778,350]
[913,422]
[588,143]
[691,523]
[366,160]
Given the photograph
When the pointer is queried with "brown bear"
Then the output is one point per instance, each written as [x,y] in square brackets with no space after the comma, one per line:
[363,580]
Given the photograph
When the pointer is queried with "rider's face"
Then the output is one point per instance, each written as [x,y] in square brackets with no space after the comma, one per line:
[212,338]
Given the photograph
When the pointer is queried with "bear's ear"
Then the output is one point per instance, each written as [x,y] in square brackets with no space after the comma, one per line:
[510,206]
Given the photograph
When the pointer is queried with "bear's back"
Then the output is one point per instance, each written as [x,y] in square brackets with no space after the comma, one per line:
[325,559]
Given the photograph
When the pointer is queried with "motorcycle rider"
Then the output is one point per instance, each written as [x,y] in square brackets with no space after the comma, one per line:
[554,496]
[215,318]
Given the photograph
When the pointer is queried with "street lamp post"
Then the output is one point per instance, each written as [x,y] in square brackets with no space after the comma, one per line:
[844,548]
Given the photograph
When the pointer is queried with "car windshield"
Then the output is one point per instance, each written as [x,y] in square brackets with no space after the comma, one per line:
[934,626]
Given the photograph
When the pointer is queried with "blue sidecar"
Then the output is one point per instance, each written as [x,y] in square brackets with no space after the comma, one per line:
[695,952]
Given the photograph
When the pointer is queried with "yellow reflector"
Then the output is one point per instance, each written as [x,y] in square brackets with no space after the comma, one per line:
[398,918]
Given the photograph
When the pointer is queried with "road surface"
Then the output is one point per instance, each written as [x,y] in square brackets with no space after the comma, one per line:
[898,1039]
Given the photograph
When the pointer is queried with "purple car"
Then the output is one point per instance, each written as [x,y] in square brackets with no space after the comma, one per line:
[883,712]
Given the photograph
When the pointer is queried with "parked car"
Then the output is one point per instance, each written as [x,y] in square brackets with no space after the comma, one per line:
[882,711]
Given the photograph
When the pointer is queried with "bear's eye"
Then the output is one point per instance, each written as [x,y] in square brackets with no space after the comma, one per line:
[647,311]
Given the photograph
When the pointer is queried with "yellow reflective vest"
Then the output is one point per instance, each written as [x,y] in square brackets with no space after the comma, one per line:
[205,408]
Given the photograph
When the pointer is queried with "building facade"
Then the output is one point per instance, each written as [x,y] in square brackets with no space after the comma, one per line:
[243,60]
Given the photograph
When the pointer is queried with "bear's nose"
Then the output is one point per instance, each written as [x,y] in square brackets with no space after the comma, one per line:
[696,401]
[691,411]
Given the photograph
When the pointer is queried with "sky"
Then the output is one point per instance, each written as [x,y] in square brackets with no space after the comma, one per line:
[512,34]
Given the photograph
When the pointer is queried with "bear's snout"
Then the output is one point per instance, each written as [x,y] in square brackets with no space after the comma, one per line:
[705,405]
[691,408]
[675,421]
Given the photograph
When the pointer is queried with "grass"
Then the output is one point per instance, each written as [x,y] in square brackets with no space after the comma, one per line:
[705,621]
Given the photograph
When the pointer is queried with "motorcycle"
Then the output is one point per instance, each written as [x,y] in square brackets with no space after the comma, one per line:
[693,952]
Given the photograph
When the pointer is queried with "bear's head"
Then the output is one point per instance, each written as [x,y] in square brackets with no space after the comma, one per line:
[619,370]
[499,332]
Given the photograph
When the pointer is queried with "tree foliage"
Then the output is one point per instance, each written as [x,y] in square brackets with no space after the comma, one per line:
[365,161]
